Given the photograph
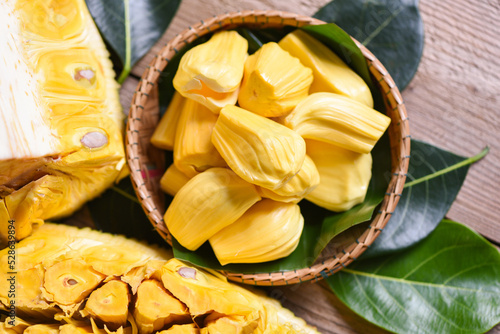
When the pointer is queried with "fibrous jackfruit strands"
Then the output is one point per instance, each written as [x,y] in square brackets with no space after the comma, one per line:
[274,82]
[206,204]
[61,117]
[202,302]
[338,120]
[344,176]
[330,72]
[210,73]
[258,149]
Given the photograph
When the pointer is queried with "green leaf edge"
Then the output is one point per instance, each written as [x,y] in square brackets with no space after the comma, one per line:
[128,48]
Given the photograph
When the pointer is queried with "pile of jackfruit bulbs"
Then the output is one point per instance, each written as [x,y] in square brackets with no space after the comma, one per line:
[253,135]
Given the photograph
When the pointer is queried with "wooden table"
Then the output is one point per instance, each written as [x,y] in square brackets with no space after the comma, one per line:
[453,102]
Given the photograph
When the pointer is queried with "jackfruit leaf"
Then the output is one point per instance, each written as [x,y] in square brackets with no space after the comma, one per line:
[131,28]
[392,30]
[434,179]
[118,211]
[320,225]
[447,283]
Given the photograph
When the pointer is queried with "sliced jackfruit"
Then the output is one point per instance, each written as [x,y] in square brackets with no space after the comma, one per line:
[338,120]
[256,148]
[305,181]
[330,72]
[60,109]
[274,82]
[209,202]
[344,176]
[210,73]
[173,180]
[269,230]
[164,135]
[193,150]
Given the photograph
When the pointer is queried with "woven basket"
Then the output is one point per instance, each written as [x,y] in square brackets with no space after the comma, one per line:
[145,160]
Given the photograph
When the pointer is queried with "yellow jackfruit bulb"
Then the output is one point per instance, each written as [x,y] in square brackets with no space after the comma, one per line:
[61,116]
[338,120]
[70,281]
[330,72]
[206,204]
[173,180]
[202,292]
[156,308]
[269,230]
[210,73]
[305,181]
[42,329]
[164,135]
[109,304]
[193,150]
[274,82]
[344,176]
[259,150]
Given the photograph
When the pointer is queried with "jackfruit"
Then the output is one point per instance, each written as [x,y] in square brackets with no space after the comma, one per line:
[274,82]
[173,180]
[193,150]
[269,230]
[258,149]
[62,120]
[209,202]
[330,72]
[305,181]
[344,176]
[338,120]
[210,73]
[164,135]
[197,301]
[155,308]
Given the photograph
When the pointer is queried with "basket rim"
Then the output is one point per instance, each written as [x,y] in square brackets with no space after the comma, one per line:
[394,106]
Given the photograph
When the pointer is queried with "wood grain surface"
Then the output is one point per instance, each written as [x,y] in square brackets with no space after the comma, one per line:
[453,102]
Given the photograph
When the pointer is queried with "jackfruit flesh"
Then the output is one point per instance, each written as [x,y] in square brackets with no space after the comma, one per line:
[330,72]
[173,180]
[338,120]
[258,149]
[274,82]
[274,229]
[193,150]
[210,73]
[164,135]
[301,184]
[62,121]
[171,296]
[206,204]
[344,176]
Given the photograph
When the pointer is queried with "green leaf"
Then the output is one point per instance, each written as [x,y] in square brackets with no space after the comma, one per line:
[130,27]
[448,283]
[118,211]
[391,29]
[434,179]
[320,225]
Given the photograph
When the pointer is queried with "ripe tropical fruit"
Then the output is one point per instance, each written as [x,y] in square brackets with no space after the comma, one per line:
[338,120]
[61,128]
[274,82]
[330,72]
[210,73]
[147,292]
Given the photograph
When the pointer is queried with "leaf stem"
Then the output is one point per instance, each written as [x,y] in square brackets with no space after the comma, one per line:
[125,194]
[128,49]
[463,163]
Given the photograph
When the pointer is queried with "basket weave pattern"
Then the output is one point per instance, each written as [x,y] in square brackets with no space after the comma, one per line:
[144,115]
